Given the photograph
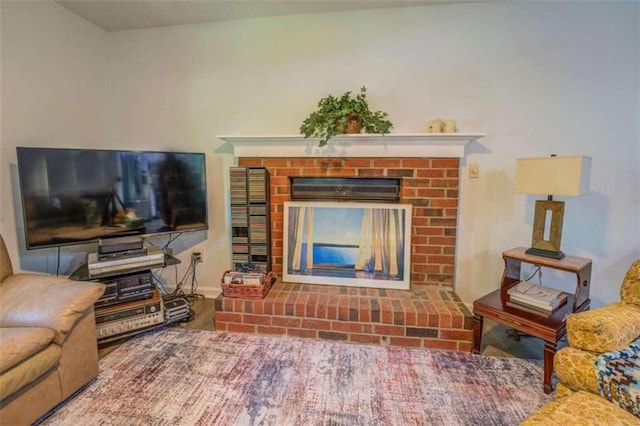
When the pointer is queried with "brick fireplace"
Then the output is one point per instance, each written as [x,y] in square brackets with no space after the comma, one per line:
[429,315]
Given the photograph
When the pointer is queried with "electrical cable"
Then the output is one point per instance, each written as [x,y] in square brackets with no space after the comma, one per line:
[178,292]
[171,239]
[166,294]
[58,263]
[159,284]
[533,274]
[193,296]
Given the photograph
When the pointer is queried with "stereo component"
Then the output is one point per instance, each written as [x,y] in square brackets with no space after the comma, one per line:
[176,309]
[127,325]
[110,295]
[126,288]
[130,309]
[125,254]
[112,245]
[128,317]
[155,257]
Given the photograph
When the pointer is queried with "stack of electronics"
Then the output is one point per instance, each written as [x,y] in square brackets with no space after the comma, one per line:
[130,302]
[536,298]
[125,319]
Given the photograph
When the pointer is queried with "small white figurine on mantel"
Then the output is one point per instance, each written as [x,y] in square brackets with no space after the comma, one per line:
[436,126]
[442,126]
[450,125]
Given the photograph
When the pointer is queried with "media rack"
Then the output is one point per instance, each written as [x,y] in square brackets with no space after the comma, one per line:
[131,304]
[250,218]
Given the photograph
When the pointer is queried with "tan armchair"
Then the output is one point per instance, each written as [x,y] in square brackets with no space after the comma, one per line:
[48,346]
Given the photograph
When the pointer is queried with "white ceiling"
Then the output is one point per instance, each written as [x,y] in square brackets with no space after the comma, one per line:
[117,15]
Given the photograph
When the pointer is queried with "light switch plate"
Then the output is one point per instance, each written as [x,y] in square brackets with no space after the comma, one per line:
[474,170]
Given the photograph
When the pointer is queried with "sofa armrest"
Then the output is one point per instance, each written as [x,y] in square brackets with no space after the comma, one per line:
[604,329]
[32,300]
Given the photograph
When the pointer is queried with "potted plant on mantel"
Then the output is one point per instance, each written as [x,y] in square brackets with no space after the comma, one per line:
[346,114]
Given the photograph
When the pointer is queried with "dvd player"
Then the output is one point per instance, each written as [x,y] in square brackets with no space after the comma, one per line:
[112,245]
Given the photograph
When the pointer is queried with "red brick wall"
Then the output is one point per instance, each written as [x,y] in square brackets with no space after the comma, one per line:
[429,184]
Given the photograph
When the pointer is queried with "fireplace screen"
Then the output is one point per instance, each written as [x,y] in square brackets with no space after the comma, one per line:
[350,244]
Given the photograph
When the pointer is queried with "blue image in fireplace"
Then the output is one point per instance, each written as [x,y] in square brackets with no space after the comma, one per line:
[331,256]
[360,242]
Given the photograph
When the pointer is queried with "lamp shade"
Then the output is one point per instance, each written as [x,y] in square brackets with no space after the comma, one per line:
[568,176]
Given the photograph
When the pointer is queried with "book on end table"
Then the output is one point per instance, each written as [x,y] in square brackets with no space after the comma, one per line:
[530,309]
[537,296]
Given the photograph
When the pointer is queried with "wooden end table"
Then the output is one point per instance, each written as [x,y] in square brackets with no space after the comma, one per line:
[550,329]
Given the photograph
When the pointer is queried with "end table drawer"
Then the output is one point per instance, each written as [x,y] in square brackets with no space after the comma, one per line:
[507,320]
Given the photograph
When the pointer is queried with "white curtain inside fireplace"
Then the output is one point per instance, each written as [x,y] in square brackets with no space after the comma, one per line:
[300,216]
[381,240]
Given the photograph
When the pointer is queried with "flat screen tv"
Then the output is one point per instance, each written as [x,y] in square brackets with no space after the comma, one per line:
[73,196]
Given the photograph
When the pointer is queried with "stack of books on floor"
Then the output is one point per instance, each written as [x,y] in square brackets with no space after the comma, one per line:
[536,298]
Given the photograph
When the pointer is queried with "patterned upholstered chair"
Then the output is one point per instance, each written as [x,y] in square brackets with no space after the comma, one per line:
[596,337]
[592,333]
[583,409]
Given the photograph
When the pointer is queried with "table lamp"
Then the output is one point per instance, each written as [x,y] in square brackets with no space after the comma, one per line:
[563,176]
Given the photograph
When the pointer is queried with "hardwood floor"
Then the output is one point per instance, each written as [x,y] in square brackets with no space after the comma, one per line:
[496,339]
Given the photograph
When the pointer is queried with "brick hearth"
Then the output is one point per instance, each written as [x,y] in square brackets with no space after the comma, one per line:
[426,316]
[429,315]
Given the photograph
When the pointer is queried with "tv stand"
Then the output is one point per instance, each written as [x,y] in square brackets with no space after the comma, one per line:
[131,303]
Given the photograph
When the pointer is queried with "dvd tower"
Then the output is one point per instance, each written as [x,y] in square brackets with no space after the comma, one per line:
[250,224]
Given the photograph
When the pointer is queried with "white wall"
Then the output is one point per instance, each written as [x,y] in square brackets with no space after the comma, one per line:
[53,89]
[538,78]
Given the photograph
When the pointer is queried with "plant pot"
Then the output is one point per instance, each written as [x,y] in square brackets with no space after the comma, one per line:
[353,125]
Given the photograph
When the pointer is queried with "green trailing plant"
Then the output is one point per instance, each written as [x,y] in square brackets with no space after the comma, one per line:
[334,115]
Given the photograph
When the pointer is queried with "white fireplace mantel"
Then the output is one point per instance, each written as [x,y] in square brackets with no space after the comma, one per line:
[422,145]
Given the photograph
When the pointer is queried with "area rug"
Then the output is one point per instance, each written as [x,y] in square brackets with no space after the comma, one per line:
[177,376]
